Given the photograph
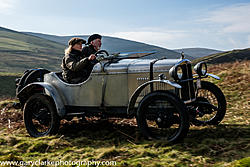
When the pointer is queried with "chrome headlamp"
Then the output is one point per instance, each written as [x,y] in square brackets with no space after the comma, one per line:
[201,68]
[176,72]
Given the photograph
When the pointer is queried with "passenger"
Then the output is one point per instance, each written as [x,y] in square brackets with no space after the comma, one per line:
[76,66]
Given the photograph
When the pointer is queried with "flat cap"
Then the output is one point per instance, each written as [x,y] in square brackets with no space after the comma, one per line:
[76,40]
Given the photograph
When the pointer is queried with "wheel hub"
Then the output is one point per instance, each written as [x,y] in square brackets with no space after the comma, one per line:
[203,107]
[165,120]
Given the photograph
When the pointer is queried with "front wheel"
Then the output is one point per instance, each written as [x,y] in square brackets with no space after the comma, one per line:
[210,105]
[40,117]
[162,115]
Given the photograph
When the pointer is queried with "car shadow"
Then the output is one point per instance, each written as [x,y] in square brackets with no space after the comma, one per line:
[227,131]
[100,131]
[126,131]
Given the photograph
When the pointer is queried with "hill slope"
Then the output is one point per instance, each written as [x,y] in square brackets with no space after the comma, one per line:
[115,45]
[197,52]
[19,51]
[230,56]
[118,139]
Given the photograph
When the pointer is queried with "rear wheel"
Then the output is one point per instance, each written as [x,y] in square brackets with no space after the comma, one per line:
[162,115]
[40,116]
[210,105]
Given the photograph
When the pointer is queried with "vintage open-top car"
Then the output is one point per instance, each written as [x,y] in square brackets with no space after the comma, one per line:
[162,94]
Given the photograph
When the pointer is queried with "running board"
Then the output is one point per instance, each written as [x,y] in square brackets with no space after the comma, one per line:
[78,113]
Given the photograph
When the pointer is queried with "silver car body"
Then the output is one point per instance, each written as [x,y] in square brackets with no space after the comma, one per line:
[164,91]
[111,85]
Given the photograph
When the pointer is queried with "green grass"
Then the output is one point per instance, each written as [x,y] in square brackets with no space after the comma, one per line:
[7,86]
[7,83]
[118,139]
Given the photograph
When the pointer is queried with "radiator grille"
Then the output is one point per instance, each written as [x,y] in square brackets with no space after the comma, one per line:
[187,91]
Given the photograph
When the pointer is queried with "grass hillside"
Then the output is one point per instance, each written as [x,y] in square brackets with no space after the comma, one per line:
[230,56]
[197,52]
[115,45]
[117,139]
[7,84]
[19,51]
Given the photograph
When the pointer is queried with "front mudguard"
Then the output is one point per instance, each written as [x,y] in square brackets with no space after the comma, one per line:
[137,92]
[208,75]
[48,89]
[213,76]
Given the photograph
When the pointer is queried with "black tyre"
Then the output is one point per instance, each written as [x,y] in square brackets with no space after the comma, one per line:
[162,115]
[40,116]
[20,84]
[210,105]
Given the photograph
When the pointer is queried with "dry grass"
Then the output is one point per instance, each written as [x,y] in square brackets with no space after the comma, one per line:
[117,139]
[235,84]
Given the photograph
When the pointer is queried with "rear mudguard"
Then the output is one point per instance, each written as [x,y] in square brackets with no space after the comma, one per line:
[28,90]
[137,92]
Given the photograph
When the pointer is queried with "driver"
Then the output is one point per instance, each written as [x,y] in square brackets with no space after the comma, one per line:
[76,66]
[94,45]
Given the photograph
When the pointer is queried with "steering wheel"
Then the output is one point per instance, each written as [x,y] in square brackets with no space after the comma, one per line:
[100,55]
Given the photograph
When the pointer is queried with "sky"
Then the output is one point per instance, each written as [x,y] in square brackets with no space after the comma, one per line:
[172,24]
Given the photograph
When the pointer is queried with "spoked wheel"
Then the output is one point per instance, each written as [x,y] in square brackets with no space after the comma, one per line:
[210,105]
[40,116]
[162,115]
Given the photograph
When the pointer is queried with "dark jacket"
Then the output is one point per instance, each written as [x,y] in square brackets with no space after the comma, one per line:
[76,67]
[88,50]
